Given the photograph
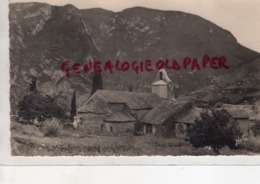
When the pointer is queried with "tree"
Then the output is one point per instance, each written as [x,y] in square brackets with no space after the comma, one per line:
[216,129]
[73,109]
[33,87]
[39,106]
[130,88]
[96,82]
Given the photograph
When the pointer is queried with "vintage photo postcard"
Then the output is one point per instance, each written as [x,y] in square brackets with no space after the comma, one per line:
[139,79]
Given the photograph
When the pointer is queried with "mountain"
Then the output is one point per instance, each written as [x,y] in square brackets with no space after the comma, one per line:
[42,37]
[241,86]
[140,33]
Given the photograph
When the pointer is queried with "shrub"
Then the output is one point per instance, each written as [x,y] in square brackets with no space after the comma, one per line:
[51,127]
[256,128]
[215,129]
[138,129]
[39,106]
[96,82]
[253,144]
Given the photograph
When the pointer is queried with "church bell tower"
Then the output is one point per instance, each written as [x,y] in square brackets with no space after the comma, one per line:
[163,86]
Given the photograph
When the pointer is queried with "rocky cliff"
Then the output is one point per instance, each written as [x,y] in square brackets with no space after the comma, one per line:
[43,36]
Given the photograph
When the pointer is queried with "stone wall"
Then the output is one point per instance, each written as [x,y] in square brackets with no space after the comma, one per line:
[118,127]
[91,122]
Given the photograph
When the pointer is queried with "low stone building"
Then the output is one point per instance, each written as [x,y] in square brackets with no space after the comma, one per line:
[118,111]
[166,118]
[186,120]
[120,121]
[156,112]
[243,114]
[109,110]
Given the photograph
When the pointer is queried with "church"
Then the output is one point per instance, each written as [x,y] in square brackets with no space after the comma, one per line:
[119,112]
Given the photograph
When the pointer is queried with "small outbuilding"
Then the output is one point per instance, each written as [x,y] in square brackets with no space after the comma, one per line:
[243,114]
[163,118]
[187,120]
[120,121]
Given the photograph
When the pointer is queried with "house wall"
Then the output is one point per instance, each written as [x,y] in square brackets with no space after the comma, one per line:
[118,127]
[151,129]
[245,125]
[91,122]
[160,90]
[167,129]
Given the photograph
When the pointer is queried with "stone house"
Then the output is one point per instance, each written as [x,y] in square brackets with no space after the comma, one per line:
[187,119]
[112,111]
[119,111]
[156,112]
[243,114]
[120,121]
[170,118]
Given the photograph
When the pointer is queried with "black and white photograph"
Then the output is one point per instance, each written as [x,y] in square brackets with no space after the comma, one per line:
[134,78]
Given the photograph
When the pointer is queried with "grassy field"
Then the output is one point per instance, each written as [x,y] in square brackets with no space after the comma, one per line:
[28,140]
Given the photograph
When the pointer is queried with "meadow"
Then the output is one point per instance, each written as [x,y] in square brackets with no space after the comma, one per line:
[29,140]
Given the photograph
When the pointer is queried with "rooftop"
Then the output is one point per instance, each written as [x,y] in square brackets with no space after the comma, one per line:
[120,116]
[239,111]
[191,116]
[165,110]
[159,82]
[100,100]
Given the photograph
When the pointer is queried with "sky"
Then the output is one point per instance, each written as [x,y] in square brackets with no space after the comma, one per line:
[240,17]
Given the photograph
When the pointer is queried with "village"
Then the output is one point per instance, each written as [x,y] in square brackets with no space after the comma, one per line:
[103,85]
[157,113]
[128,117]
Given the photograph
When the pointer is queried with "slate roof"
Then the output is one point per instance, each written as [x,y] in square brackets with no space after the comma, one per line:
[159,82]
[210,97]
[100,100]
[191,115]
[166,109]
[120,116]
[239,111]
